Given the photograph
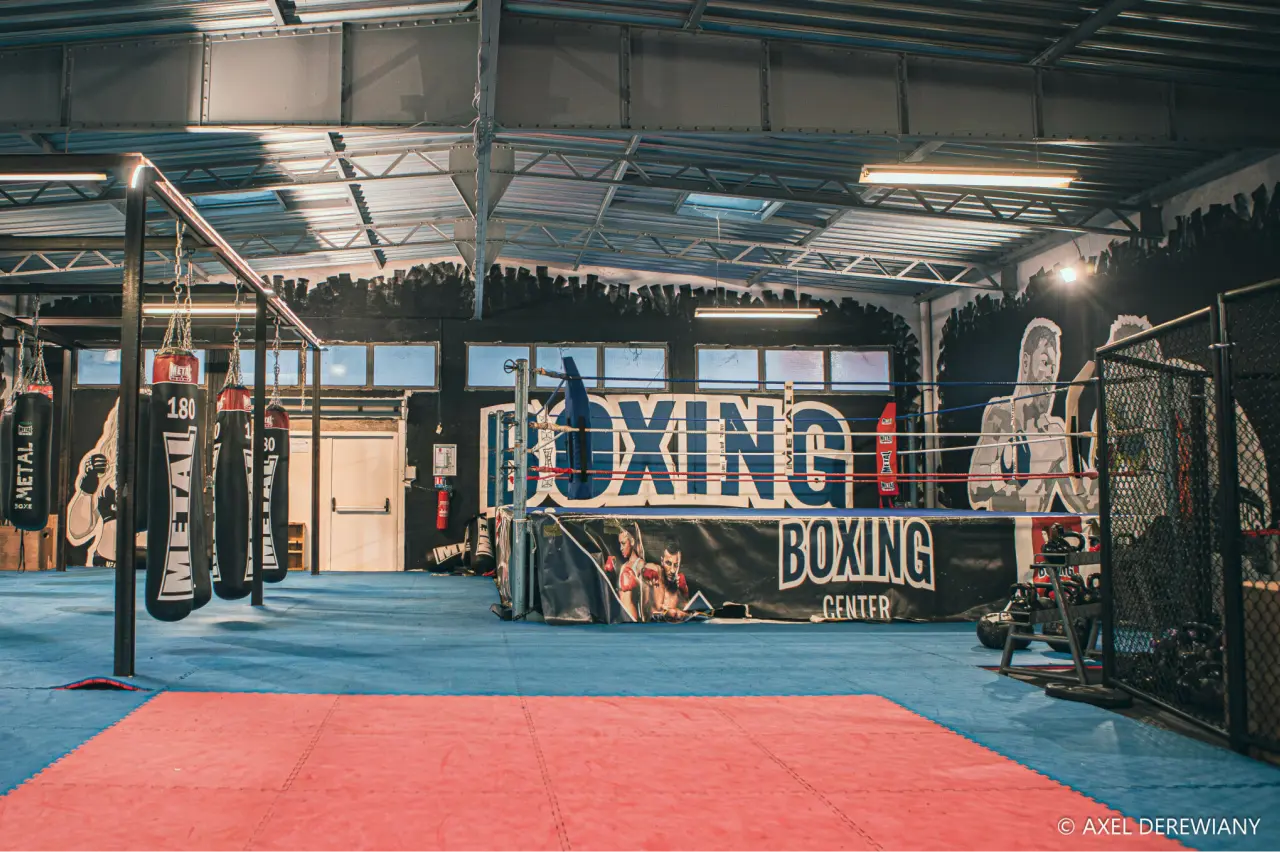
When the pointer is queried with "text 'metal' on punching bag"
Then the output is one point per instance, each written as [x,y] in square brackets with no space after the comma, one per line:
[232,474]
[275,495]
[178,576]
[28,425]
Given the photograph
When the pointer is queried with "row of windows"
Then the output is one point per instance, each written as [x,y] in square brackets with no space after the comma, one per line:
[357,365]
[718,368]
[638,367]
[835,370]
[607,367]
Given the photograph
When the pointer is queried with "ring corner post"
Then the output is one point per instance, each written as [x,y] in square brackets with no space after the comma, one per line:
[520,490]
[316,354]
[128,440]
[259,437]
[1229,529]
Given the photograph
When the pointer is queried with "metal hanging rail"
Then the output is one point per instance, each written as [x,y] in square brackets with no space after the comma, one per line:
[142,182]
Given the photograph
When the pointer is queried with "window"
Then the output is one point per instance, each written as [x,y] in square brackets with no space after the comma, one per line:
[727,207]
[643,367]
[102,366]
[485,364]
[869,368]
[586,358]
[805,368]
[98,367]
[815,370]
[345,366]
[288,367]
[411,366]
[729,369]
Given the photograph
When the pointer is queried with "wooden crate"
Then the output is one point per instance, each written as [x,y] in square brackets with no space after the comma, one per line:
[1262,649]
[297,547]
[41,547]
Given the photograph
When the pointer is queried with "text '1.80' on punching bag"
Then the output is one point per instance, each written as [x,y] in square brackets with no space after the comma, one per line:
[275,495]
[177,567]
[30,448]
[232,466]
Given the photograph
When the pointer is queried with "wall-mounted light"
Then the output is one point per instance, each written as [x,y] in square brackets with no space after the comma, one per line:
[757,313]
[905,174]
[37,177]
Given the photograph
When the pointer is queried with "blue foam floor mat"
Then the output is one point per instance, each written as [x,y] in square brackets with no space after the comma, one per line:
[423,634]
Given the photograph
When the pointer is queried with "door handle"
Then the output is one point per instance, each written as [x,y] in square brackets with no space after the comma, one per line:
[384,509]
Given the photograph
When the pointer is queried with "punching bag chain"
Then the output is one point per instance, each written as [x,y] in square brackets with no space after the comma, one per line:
[39,374]
[275,354]
[233,365]
[20,372]
[178,333]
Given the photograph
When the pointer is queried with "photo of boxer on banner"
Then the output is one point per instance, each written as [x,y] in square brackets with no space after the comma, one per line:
[649,591]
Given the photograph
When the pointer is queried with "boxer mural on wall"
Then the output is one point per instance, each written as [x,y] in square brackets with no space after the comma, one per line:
[91,511]
[1023,440]
[1032,439]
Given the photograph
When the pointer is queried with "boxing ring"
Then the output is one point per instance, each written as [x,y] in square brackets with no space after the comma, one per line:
[713,513]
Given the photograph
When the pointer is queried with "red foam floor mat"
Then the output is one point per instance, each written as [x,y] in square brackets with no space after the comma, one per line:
[248,771]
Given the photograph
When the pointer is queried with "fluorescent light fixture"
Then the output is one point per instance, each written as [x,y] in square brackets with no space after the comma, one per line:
[905,174]
[757,313]
[198,310]
[1068,274]
[35,177]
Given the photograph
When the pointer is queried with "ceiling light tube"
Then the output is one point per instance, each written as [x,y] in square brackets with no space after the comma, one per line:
[757,313]
[198,310]
[35,177]
[905,174]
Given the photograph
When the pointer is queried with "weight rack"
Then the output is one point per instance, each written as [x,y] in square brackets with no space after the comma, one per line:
[1023,626]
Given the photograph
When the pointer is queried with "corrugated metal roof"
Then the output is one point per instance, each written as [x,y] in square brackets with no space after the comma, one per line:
[349,197]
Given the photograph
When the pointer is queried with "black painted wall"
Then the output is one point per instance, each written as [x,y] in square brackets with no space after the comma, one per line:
[435,304]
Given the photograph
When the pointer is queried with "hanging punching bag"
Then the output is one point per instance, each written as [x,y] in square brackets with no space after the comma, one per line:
[30,446]
[275,495]
[232,460]
[6,458]
[177,571]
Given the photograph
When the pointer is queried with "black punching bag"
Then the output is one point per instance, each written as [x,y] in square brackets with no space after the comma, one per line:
[6,458]
[30,448]
[232,460]
[275,495]
[177,571]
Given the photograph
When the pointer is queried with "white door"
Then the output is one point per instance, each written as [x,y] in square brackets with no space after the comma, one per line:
[364,503]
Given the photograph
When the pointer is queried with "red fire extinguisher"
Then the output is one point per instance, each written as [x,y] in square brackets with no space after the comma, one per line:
[442,502]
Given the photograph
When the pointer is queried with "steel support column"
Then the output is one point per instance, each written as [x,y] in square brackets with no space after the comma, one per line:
[65,471]
[127,438]
[259,447]
[316,354]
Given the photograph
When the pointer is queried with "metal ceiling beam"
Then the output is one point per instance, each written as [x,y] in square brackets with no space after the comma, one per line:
[7,321]
[610,192]
[1066,212]
[486,91]
[748,85]
[695,14]
[577,239]
[1105,14]
[354,195]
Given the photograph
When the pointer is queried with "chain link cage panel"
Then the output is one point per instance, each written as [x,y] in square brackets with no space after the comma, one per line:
[1253,323]
[1162,469]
